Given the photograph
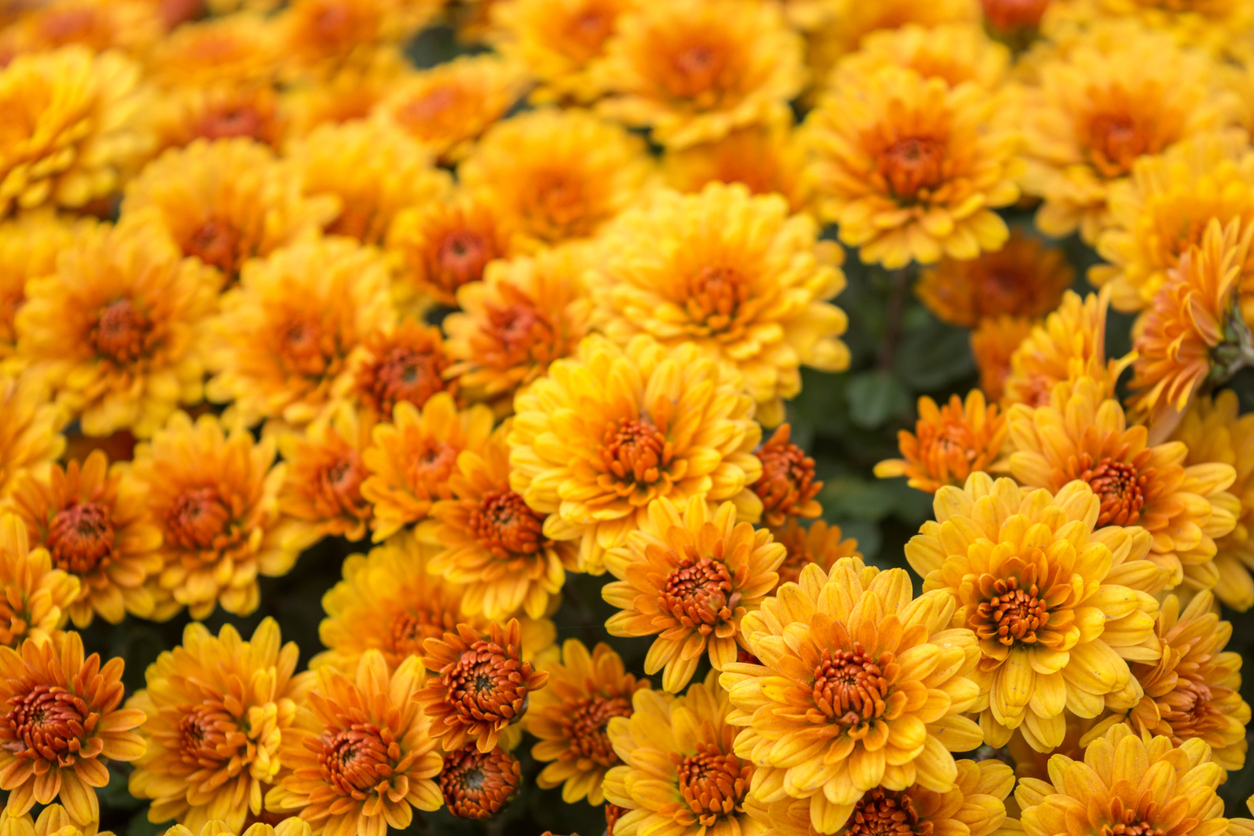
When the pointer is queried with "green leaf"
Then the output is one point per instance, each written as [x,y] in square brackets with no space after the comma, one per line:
[875,397]
[934,356]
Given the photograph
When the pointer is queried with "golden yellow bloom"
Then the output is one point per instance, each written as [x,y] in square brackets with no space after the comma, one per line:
[373,169]
[1025,279]
[820,544]
[72,127]
[30,430]
[952,52]
[911,169]
[218,708]
[1083,435]
[28,249]
[35,597]
[993,342]
[95,524]
[412,458]
[360,756]
[117,330]
[1058,605]
[1126,784]
[679,775]
[290,826]
[556,175]
[237,49]
[281,346]
[731,274]
[787,486]
[689,574]
[1098,106]
[323,36]
[63,725]
[52,821]
[325,472]
[526,313]
[570,718]
[850,21]
[349,93]
[448,107]
[406,363]
[949,443]
[1215,25]
[214,494]
[609,430]
[132,26]
[867,691]
[215,112]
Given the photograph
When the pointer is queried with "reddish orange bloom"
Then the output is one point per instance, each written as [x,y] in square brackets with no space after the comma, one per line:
[478,785]
[324,477]
[1014,21]
[821,544]
[993,342]
[787,486]
[949,443]
[403,364]
[482,685]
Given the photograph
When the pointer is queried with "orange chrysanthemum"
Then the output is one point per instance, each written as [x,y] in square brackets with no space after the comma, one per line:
[35,597]
[62,724]
[1214,25]
[349,93]
[911,169]
[218,708]
[28,249]
[360,756]
[478,785]
[117,330]
[952,52]
[281,346]
[611,429]
[30,430]
[238,49]
[412,458]
[850,21]
[526,313]
[323,36]
[214,495]
[220,111]
[405,364]
[325,472]
[96,526]
[689,574]
[478,686]
[787,486]
[1025,279]
[993,343]
[570,718]
[820,544]
[130,26]
[949,443]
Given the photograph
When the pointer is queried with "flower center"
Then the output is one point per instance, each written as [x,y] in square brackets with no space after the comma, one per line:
[850,687]
[505,526]
[122,333]
[478,785]
[787,478]
[233,121]
[584,722]
[589,30]
[715,294]
[338,483]
[712,783]
[487,685]
[698,68]
[215,243]
[698,590]
[50,722]
[403,374]
[418,113]
[883,812]
[68,25]
[461,257]
[1010,614]
[518,334]
[1015,14]
[355,761]
[1189,712]
[196,519]
[561,208]
[432,463]
[80,538]
[426,620]
[1131,825]
[636,451]
[208,732]
[912,165]
[301,342]
[1115,142]
[1121,486]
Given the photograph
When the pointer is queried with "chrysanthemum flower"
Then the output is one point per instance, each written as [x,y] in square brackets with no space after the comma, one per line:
[679,774]
[866,692]
[117,330]
[611,429]
[1214,25]
[692,72]
[787,486]
[820,544]
[1058,605]
[360,756]
[952,52]
[52,821]
[1083,435]
[732,274]
[72,127]
[526,313]
[911,169]
[323,36]
[993,344]
[281,346]
[413,457]
[556,175]
[1127,784]
[290,826]
[235,49]
[478,685]
[220,111]
[62,725]
[949,443]
[30,430]
[570,716]
[214,495]
[1024,278]
[131,26]
[374,170]
[404,364]
[1193,690]
[1191,327]
[447,107]
[492,543]
[325,471]
[477,785]
[96,526]
[226,201]
[218,708]
[1015,22]
[851,21]
[35,597]
[1097,107]
[689,574]
[347,94]
[28,249]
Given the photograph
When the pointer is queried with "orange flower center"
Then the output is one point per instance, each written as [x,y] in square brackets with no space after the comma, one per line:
[337,484]
[68,25]
[122,333]
[1188,710]
[698,68]
[216,243]
[196,519]
[415,625]
[80,538]
[560,205]
[1131,825]
[698,592]
[1010,614]
[636,451]
[583,725]
[519,334]
[356,759]
[332,22]
[460,259]
[712,783]
[402,374]
[487,685]
[589,30]
[48,721]
[478,785]
[913,164]
[851,687]
[304,347]
[1014,14]
[714,297]
[505,526]
[418,113]
[232,121]
[787,480]
[1115,141]
[208,733]
[1122,487]
[883,812]
[612,814]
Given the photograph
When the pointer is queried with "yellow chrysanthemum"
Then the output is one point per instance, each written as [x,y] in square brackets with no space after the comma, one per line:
[611,429]
[1059,606]
[72,129]
[291,826]
[30,431]
[218,708]
[413,456]
[281,345]
[52,821]
[993,342]
[35,597]
[949,443]
[733,275]
[952,52]
[404,364]
[557,175]
[117,331]
[1215,25]
[321,37]
[349,93]
[570,718]
[851,21]
[525,314]
[236,49]
[214,494]
[866,690]
[325,471]
[28,250]
[181,116]
[131,26]
[911,169]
